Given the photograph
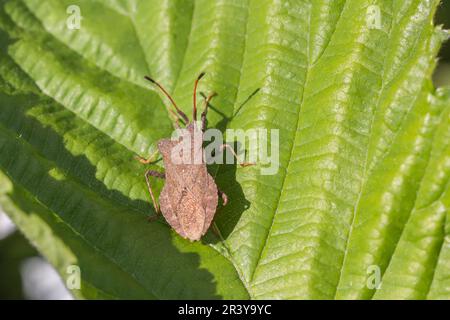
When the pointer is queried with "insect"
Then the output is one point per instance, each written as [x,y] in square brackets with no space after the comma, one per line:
[189,198]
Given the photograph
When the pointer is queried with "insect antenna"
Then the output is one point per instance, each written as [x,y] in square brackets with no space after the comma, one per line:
[194,116]
[180,113]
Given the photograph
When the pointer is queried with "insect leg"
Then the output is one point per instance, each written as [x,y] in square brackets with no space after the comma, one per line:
[216,231]
[244,164]
[156,174]
[205,110]
[151,159]
[224,197]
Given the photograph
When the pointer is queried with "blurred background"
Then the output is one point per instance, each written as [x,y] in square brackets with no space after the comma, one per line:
[442,73]
[26,275]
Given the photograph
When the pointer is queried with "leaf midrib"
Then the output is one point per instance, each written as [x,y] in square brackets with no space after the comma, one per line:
[364,178]
[229,255]
[294,133]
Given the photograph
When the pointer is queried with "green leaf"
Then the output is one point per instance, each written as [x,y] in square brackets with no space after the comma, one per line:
[362,189]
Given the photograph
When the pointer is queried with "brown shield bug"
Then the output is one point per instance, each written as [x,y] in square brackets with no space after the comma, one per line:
[189,198]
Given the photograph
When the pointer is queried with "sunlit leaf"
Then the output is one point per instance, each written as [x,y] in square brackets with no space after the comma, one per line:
[363,182]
